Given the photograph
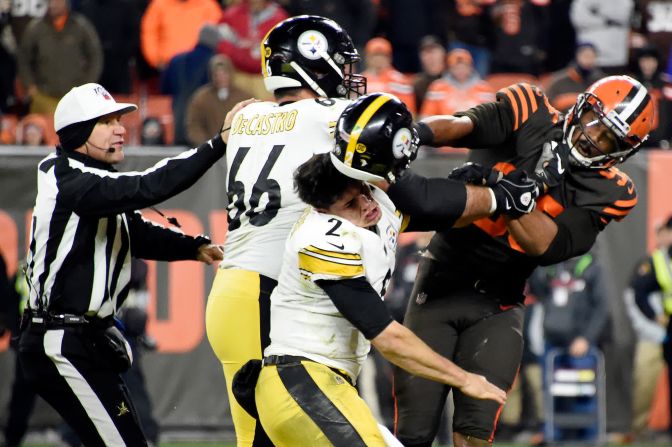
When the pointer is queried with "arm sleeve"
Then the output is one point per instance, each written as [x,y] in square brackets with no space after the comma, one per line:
[359,304]
[577,230]
[493,124]
[424,199]
[94,192]
[643,284]
[152,241]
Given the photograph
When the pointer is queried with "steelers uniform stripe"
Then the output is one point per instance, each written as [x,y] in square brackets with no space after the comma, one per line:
[332,254]
[325,414]
[311,262]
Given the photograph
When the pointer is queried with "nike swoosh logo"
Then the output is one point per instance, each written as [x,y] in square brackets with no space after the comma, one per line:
[340,247]
[560,168]
[507,205]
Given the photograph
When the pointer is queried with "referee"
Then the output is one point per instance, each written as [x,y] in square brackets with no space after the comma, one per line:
[86,227]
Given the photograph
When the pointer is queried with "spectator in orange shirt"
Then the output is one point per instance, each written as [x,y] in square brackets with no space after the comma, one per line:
[381,76]
[459,89]
[170,27]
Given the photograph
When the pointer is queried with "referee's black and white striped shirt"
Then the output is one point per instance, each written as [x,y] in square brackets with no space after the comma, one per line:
[85,227]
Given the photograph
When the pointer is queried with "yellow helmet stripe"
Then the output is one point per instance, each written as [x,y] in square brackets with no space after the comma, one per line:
[364,118]
[263,50]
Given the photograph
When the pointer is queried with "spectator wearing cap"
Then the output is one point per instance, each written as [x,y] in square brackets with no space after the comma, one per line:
[86,227]
[244,25]
[647,70]
[432,62]
[170,27]
[57,52]
[185,73]
[381,76]
[458,89]
[209,104]
[565,85]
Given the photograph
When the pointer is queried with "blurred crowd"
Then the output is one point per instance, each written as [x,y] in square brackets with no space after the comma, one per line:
[186,62]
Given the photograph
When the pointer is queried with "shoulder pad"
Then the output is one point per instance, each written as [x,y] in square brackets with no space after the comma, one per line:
[525,100]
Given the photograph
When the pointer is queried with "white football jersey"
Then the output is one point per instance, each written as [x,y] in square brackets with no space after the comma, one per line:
[304,320]
[267,143]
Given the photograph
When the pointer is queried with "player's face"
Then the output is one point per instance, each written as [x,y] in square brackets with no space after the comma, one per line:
[357,205]
[594,138]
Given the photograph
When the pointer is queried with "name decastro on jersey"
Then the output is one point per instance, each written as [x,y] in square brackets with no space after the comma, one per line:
[267,143]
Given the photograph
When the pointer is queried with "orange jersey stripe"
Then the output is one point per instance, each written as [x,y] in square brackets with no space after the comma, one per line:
[514,106]
[626,203]
[523,104]
[533,98]
[615,212]
[550,206]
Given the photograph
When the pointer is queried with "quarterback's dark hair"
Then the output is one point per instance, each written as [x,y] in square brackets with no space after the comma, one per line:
[319,183]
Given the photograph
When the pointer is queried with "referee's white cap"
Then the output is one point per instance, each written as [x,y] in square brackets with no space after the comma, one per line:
[85,103]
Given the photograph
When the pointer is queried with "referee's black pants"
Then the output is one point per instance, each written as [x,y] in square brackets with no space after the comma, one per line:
[67,369]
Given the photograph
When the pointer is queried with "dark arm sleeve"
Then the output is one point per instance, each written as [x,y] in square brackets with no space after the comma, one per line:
[359,304]
[152,241]
[98,193]
[431,203]
[577,230]
[600,310]
[643,284]
[493,124]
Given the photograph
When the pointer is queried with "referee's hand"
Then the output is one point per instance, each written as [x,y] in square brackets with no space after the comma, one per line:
[210,253]
[478,387]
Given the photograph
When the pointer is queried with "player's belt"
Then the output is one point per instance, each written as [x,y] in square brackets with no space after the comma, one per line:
[296,360]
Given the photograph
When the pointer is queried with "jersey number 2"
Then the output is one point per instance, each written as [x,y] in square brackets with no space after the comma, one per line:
[263,185]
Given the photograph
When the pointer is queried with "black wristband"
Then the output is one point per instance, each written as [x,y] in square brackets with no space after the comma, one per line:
[425,133]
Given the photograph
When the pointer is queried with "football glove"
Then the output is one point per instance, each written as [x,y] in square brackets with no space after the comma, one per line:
[551,166]
[475,174]
[515,194]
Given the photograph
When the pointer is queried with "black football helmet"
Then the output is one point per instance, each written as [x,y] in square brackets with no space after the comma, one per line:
[375,138]
[311,52]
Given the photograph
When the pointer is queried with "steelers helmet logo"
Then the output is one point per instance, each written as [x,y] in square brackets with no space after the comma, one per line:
[401,143]
[312,44]
[360,148]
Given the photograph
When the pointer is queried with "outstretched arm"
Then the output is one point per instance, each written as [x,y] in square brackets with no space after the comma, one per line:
[401,346]
[364,309]
[445,129]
